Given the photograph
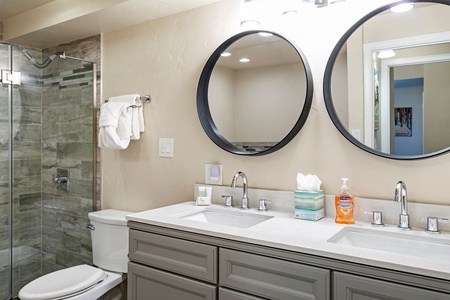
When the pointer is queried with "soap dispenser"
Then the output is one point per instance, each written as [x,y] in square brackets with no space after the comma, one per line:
[345,205]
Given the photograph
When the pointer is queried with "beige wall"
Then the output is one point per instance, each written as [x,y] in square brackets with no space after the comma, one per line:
[165,58]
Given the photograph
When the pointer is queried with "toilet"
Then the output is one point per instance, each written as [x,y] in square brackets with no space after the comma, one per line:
[109,234]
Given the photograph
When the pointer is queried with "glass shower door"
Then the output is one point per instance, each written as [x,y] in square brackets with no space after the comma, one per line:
[47,123]
[5,205]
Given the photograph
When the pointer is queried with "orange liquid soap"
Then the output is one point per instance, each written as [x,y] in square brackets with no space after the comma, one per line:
[345,204]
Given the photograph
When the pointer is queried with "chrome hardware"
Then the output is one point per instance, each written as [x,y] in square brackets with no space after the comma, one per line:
[263,204]
[62,179]
[245,201]
[377,218]
[432,224]
[59,179]
[90,227]
[401,196]
[11,77]
[228,200]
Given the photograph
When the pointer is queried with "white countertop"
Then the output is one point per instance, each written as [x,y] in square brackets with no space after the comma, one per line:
[283,231]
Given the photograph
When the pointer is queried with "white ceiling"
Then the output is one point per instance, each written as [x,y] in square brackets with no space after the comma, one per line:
[115,17]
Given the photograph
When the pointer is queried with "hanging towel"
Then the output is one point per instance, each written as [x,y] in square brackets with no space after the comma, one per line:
[137,116]
[114,125]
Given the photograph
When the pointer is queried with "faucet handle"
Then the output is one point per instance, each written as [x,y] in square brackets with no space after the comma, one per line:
[263,204]
[228,200]
[432,224]
[377,218]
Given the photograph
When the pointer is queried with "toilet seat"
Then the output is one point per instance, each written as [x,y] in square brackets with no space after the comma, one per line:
[63,284]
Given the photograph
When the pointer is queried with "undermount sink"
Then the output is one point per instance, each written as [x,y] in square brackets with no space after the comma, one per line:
[236,219]
[407,244]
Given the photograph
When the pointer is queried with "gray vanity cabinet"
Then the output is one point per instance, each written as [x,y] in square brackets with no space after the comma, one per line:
[166,268]
[352,287]
[272,278]
[156,263]
[147,283]
[226,294]
[169,264]
[195,260]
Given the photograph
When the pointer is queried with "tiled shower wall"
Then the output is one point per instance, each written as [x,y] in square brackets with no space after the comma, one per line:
[67,140]
[53,128]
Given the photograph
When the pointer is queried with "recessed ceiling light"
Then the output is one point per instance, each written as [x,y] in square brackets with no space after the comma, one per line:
[402,7]
[225,54]
[244,60]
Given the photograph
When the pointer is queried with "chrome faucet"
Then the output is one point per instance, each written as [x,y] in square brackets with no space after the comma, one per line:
[244,203]
[401,196]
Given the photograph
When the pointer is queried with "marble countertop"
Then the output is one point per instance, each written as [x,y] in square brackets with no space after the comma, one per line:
[283,231]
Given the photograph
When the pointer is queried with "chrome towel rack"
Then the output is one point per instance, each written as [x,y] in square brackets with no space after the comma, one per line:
[147,98]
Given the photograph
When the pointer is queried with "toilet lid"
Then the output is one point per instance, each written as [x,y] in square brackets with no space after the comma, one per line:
[61,283]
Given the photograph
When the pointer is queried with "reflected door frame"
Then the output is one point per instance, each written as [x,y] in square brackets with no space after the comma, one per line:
[369,101]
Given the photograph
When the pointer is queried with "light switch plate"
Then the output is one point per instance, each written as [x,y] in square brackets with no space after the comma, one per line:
[356,134]
[213,174]
[165,147]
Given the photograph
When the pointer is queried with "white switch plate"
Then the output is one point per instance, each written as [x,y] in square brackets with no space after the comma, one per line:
[165,147]
[213,174]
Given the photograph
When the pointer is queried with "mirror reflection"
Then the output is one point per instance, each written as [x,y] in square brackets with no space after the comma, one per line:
[390,82]
[259,93]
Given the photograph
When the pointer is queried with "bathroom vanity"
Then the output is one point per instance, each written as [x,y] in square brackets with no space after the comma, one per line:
[175,257]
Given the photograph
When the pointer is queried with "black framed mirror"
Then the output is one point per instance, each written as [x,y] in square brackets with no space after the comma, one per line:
[396,106]
[257,105]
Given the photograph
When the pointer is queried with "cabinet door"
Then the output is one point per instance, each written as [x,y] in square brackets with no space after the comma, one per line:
[226,294]
[352,287]
[192,259]
[272,278]
[146,283]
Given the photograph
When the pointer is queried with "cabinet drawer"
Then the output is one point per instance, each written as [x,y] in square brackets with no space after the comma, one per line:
[146,283]
[225,294]
[183,257]
[353,287]
[272,278]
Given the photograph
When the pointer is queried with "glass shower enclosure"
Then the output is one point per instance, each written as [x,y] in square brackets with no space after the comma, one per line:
[47,165]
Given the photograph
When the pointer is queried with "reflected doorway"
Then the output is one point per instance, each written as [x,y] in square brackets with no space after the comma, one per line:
[407,123]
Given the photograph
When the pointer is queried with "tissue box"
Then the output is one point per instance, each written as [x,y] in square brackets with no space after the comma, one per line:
[309,205]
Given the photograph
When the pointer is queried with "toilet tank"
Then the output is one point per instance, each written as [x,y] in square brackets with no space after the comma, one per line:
[109,234]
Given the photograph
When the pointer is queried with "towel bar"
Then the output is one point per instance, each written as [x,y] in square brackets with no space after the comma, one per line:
[147,98]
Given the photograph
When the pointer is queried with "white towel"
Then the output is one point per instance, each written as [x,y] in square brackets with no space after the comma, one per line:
[114,125]
[137,117]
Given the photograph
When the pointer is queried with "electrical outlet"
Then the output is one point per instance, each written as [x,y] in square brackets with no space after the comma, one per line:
[165,147]
[213,174]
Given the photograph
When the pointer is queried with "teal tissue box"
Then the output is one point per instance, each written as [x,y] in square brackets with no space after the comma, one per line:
[309,205]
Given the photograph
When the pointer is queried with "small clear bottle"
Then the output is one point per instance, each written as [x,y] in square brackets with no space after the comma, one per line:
[345,205]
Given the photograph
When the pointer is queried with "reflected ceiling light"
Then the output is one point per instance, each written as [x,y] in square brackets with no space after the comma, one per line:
[386,54]
[262,33]
[402,7]
[225,54]
[322,3]
[244,60]
[250,12]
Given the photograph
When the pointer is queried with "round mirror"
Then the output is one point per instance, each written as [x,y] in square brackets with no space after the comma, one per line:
[254,93]
[386,84]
